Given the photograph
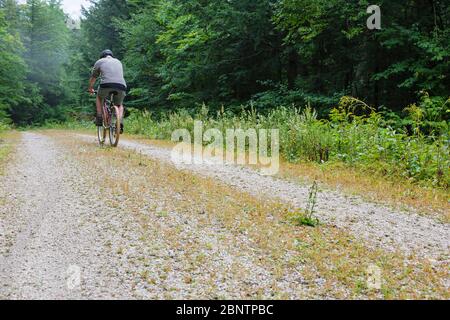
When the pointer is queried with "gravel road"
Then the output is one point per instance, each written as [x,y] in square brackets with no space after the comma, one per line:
[62,236]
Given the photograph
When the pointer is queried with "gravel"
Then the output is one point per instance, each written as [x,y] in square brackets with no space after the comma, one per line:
[53,230]
[62,237]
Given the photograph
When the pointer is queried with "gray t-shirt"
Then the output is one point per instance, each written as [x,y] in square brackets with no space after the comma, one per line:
[110,70]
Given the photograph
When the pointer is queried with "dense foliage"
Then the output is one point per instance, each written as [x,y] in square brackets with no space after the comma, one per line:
[186,53]
[34,46]
[12,71]
[286,52]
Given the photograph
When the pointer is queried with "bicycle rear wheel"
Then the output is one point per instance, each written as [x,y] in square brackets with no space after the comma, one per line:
[101,134]
[102,131]
[114,130]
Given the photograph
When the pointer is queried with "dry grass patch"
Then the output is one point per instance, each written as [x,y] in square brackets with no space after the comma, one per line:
[333,264]
[8,140]
[373,187]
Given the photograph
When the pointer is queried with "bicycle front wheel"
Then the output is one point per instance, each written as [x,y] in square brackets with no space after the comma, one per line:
[114,131]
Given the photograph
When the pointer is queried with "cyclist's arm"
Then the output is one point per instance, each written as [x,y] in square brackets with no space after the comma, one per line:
[95,74]
[91,84]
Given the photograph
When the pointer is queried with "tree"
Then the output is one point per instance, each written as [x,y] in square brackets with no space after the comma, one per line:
[100,30]
[46,39]
[142,56]
[12,69]
[202,51]
[385,67]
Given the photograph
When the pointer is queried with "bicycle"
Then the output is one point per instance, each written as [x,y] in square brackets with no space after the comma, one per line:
[111,122]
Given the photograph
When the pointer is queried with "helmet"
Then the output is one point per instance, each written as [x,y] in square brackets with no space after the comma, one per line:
[106,53]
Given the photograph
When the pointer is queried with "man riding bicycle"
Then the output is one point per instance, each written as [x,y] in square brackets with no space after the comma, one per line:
[110,70]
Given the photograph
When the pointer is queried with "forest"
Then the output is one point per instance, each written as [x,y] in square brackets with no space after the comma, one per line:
[243,62]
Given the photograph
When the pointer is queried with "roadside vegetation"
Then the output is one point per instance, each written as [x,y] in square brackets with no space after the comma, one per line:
[4,148]
[7,141]
[354,135]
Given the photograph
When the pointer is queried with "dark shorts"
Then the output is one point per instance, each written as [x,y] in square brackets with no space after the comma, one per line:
[118,97]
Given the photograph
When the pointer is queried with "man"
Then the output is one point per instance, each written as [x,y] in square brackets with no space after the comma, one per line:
[110,70]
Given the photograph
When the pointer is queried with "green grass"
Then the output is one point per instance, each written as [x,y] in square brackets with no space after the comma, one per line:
[363,142]
[4,149]
[71,125]
[306,217]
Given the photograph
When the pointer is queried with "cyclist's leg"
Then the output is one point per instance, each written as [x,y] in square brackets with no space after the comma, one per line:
[101,96]
[121,113]
[118,101]
[99,104]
